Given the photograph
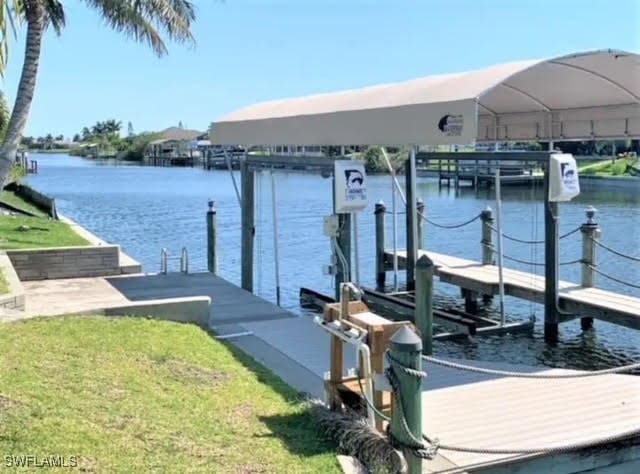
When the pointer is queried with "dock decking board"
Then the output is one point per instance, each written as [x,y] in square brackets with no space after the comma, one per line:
[601,304]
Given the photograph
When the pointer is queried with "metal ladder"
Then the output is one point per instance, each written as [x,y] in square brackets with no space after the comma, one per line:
[164,259]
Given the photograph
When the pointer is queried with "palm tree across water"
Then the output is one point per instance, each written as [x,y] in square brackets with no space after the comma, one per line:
[146,21]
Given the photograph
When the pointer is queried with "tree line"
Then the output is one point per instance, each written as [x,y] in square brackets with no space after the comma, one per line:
[145,21]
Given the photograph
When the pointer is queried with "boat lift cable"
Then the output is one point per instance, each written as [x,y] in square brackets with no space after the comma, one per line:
[498,188]
[233,178]
[394,186]
[614,251]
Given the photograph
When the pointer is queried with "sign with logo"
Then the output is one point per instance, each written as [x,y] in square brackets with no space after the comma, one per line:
[451,125]
[350,182]
[563,177]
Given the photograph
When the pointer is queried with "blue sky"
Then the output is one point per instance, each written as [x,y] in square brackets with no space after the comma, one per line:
[252,50]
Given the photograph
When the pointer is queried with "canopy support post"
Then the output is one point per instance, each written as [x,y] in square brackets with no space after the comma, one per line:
[247,225]
[411,214]
[551,313]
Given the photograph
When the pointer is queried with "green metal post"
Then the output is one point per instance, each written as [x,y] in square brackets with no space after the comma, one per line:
[212,258]
[423,317]
[406,348]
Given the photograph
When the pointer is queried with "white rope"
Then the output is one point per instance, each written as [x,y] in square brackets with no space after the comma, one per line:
[524,375]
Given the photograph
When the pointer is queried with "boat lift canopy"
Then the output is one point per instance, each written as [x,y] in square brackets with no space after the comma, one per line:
[591,95]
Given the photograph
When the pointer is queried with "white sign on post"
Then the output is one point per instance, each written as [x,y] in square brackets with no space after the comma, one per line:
[350,182]
[563,177]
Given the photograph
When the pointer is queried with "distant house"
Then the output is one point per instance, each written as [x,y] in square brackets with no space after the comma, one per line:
[175,142]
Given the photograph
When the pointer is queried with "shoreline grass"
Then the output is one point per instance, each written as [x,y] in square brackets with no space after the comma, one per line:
[138,395]
[26,232]
[10,198]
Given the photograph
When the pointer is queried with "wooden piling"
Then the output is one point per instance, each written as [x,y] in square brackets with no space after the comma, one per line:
[381,275]
[590,231]
[423,315]
[344,243]
[420,215]
[247,224]
[488,254]
[212,258]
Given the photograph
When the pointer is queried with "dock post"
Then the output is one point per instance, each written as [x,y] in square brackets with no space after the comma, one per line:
[420,208]
[406,350]
[551,313]
[590,231]
[344,242]
[247,225]
[488,254]
[212,258]
[411,225]
[423,316]
[381,275]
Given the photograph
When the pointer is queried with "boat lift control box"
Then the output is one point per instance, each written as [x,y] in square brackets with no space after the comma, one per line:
[350,186]
[563,177]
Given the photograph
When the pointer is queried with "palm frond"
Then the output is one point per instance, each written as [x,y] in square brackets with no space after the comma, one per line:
[10,14]
[54,14]
[146,20]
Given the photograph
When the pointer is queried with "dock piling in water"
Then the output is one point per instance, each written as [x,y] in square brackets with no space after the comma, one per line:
[247,224]
[380,211]
[420,207]
[212,258]
[590,231]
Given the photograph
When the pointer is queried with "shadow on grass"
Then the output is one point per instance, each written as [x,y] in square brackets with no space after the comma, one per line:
[298,431]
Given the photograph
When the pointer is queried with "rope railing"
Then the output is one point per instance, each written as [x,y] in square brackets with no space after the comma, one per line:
[524,375]
[535,242]
[540,264]
[428,451]
[614,251]
[450,226]
[612,278]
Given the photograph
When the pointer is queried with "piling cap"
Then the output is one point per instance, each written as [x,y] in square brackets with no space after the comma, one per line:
[211,204]
[405,340]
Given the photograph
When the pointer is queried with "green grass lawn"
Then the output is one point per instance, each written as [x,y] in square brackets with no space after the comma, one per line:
[608,167]
[13,200]
[23,232]
[137,395]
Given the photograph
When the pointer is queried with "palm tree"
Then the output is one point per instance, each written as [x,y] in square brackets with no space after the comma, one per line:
[143,20]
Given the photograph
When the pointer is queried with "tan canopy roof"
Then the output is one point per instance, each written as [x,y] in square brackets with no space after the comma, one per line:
[586,95]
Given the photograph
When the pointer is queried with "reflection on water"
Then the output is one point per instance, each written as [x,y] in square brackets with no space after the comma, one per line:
[147,208]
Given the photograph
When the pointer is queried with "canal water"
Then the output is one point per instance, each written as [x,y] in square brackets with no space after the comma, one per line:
[147,208]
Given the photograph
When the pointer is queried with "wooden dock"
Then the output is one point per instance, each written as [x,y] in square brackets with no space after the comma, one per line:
[470,275]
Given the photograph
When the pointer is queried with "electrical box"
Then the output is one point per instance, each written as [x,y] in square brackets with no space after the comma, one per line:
[331,226]
[350,182]
[563,177]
